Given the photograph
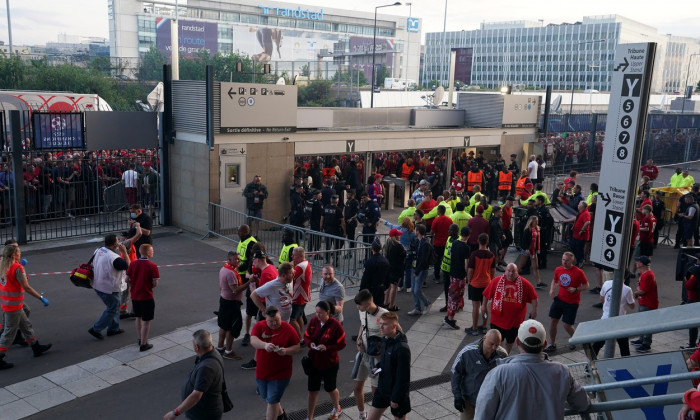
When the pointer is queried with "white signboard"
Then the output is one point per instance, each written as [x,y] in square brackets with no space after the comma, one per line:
[647,366]
[248,108]
[623,135]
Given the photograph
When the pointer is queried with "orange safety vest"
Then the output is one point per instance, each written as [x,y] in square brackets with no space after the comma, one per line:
[520,185]
[406,171]
[505,180]
[327,173]
[11,292]
[474,178]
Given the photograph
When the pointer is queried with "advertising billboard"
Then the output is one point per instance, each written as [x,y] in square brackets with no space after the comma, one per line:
[265,44]
[58,130]
[363,46]
[192,37]
[463,65]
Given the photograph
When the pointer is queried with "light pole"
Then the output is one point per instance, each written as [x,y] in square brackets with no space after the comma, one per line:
[578,58]
[444,44]
[374,48]
[678,117]
[408,45]
[9,26]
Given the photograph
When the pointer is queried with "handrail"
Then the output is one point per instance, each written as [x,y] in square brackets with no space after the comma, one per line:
[675,377]
[618,405]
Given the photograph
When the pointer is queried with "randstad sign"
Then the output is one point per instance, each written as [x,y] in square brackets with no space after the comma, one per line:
[297,13]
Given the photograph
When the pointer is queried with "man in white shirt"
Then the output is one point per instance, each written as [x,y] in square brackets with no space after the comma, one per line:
[130,179]
[532,168]
[276,292]
[626,305]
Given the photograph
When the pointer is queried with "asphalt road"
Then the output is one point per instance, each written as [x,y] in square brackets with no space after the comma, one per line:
[185,296]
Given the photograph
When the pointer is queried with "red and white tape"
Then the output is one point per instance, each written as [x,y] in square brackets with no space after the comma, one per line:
[52,273]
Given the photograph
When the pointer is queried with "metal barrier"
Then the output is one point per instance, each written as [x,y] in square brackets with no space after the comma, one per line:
[345,255]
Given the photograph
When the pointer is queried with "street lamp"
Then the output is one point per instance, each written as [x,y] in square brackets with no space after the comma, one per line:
[678,117]
[578,58]
[374,48]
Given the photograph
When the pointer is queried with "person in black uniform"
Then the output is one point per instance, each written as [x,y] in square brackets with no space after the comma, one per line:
[514,168]
[333,223]
[546,222]
[326,193]
[145,222]
[296,212]
[314,210]
[376,275]
[681,209]
[369,215]
[658,208]
[352,207]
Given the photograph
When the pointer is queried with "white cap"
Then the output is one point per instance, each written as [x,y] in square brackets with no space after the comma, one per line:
[534,331]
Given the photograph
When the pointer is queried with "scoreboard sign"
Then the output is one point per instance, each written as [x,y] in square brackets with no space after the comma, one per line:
[629,99]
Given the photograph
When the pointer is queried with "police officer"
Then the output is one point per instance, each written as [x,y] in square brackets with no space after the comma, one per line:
[296,213]
[352,207]
[288,245]
[313,211]
[369,216]
[333,223]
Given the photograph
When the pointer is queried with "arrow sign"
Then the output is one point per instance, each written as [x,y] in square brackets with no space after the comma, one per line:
[230,93]
[622,66]
[606,197]
[242,151]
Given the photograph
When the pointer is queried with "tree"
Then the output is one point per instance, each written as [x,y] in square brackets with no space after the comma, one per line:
[151,65]
[697,87]
[305,70]
[11,72]
[381,74]
[317,93]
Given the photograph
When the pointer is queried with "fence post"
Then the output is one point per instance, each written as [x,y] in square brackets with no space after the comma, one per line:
[18,181]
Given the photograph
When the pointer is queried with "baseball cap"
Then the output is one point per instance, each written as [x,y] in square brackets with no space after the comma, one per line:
[260,255]
[528,184]
[479,208]
[376,245]
[643,259]
[377,176]
[458,173]
[271,310]
[423,182]
[532,333]
[395,232]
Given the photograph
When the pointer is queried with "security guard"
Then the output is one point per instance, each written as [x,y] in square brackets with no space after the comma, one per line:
[369,216]
[474,177]
[505,182]
[453,231]
[245,249]
[333,223]
[289,245]
[352,207]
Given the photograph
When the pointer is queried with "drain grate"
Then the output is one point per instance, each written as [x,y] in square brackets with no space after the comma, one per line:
[326,407]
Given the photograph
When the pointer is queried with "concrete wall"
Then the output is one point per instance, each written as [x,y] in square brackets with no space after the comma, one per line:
[274,162]
[190,178]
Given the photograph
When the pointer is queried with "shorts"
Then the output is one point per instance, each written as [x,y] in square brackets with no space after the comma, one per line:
[272,391]
[364,369]
[297,311]
[144,309]
[230,318]
[475,294]
[255,213]
[383,401]
[564,311]
[250,308]
[328,376]
[508,335]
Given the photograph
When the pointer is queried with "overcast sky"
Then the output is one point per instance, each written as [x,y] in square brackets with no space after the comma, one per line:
[38,21]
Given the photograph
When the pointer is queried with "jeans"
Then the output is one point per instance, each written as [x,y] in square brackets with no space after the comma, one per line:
[110,317]
[646,338]
[577,248]
[417,286]
[408,274]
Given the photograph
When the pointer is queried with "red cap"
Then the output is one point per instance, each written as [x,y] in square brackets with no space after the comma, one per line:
[377,176]
[458,173]
[395,232]
[479,208]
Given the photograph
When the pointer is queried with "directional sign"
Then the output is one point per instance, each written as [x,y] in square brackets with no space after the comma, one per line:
[412,25]
[349,146]
[258,108]
[629,98]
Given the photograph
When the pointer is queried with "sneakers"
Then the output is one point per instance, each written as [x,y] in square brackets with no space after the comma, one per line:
[550,348]
[471,331]
[572,347]
[39,349]
[482,330]
[5,365]
[595,290]
[408,290]
[363,415]
[598,305]
[115,332]
[426,311]
[231,355]
[450,323]
[145,347]
[250,365]
[126,315]
[246,340]
[636,342]
[96,334]
[415,312]
[644,348]
[335,414]
[443,309]
[541,285]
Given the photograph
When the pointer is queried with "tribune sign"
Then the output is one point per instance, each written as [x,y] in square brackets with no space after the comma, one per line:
[629,97]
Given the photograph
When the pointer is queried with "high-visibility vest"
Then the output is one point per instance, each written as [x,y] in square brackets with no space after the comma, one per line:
[11,292]
[520,185]
[242,247]
[286,253]
[505,180]
[447,256]
[474,178]
[406,171]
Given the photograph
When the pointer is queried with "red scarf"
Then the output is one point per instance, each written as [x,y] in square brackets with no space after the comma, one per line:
[499,294]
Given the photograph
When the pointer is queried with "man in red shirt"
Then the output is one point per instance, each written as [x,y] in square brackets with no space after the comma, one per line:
[570,280]
[650,170]
[275,342]
[143,276]
[509,295]
[301,288]
[646,232]
[507,222]
[648,298]
[440,228]
[580,232]
[426,205]
[646,201]
[478,225]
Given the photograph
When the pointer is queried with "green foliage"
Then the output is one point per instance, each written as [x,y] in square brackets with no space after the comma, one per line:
[317,94]
[350,78]
[11,72]
[151,65]
[382,73]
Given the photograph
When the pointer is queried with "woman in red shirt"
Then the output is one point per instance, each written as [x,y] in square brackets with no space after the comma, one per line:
[324,337]
[530,246]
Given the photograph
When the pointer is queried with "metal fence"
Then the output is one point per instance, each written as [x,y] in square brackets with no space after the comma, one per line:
[345,255]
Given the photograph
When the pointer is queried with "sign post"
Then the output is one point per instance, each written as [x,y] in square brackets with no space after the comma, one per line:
[622,153]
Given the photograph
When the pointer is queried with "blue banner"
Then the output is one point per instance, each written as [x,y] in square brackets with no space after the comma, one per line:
[58,130]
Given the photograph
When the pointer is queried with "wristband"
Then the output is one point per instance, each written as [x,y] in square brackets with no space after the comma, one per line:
[177,413]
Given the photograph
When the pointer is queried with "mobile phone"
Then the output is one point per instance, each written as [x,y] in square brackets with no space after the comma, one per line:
[277,348]
[376,371]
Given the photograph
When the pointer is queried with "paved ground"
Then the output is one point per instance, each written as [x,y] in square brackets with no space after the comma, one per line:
[110,379]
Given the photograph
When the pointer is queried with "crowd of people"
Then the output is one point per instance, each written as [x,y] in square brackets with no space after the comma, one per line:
[69,183]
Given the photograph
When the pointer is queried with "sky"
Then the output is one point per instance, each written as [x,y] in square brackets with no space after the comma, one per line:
[39,21]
